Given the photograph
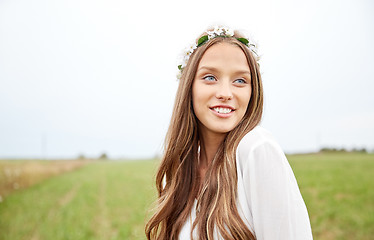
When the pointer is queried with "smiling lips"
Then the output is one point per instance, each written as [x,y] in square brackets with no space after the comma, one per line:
[222,111]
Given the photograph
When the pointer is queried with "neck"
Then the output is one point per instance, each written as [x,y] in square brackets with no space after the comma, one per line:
[210,143]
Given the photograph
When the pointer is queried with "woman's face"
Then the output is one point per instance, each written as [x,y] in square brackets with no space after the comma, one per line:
[221,89]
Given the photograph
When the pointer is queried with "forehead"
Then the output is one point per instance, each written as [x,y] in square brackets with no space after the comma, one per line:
[224,55]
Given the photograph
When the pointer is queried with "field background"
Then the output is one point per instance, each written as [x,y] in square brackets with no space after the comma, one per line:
[111,199]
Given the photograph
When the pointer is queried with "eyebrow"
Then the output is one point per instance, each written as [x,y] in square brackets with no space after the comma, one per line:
[213,69]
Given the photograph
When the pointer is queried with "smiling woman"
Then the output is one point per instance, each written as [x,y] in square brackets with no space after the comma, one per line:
[222,176]
[221,89]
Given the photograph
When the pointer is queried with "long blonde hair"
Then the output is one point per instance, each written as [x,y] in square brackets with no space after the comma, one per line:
[177,178]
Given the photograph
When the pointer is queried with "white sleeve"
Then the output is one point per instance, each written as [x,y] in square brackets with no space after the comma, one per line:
[277,207]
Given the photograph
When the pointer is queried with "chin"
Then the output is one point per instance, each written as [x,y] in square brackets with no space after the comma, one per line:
[220,128]
[224,129]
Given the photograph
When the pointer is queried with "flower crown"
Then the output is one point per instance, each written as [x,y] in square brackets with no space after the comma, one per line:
[217,32]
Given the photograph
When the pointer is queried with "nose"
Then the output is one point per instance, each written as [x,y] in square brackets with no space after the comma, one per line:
[224,92]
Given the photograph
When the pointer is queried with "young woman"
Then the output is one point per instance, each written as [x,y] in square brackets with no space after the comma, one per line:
[222,176]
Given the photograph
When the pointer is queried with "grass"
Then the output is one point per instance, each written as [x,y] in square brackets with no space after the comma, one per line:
[110,199]
[103,200]
[19,174]
[338,191]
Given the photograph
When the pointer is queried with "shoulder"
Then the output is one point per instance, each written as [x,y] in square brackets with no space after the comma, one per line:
[258,142]
[257,137]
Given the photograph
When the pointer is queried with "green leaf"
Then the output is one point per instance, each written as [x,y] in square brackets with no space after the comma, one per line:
[244,41]
[202,40]
[180,67]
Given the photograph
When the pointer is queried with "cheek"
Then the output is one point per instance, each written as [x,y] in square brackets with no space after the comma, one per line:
[199,96]
[245,98]
[245,103]
[197,106]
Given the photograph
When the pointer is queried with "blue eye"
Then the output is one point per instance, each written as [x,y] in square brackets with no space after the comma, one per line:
[209,78]
[240,81]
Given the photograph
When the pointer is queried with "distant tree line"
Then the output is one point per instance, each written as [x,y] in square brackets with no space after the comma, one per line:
[356,150]
[102,156]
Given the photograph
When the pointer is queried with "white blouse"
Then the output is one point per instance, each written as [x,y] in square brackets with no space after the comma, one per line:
[269,200]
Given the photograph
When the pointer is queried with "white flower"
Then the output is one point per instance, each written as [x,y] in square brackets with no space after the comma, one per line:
[211,34]
[184,62]
[225,30]
[191,48]
[229,32]
[218,30]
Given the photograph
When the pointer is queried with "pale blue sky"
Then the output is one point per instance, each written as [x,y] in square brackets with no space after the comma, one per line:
[86,77]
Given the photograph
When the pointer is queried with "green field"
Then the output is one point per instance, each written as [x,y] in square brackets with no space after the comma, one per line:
[103,200]
[110,200]
[338,191]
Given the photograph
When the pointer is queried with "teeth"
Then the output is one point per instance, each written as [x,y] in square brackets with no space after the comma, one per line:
[222,110]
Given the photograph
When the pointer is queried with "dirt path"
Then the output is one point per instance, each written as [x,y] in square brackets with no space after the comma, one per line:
[101,223]
[64,200]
